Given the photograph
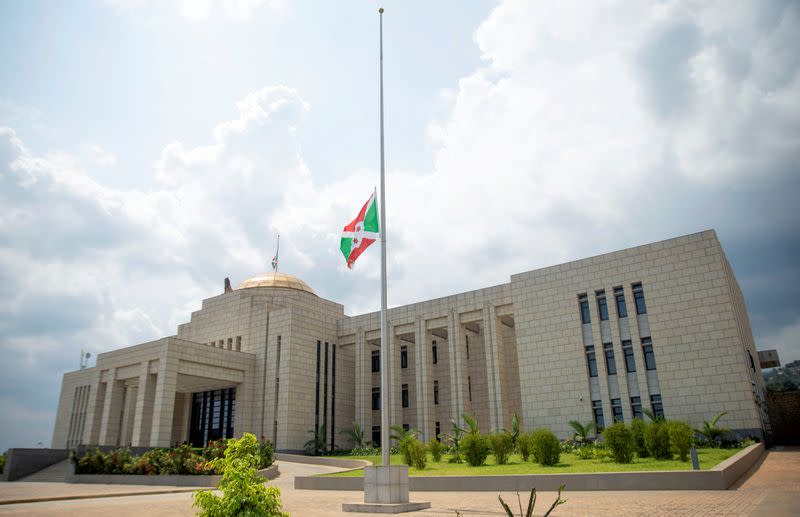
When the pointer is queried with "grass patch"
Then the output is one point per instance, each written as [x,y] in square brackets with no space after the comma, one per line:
[569,464]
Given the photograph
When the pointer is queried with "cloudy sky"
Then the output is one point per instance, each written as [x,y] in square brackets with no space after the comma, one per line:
[150,149]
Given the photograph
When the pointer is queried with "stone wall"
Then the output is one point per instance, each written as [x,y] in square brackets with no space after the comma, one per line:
[784,416]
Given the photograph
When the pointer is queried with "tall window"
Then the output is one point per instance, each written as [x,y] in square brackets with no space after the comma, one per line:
[466,336]
[619,296]
[752,363]
[658,407]
[376,435]
[438,431]
[636,407]
[611,364]
[469,387]
[406,427]
[597,408]
[584,304]
[591,361]
[403,356]
[376,399]
[638,296]
[238,343]
[630,362]
[435,392]
[405,395]
[616,409]
[376,361]
[434,352]
[602,305]
[649,356]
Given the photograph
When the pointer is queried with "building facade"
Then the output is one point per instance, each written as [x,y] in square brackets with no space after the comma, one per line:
[660,327]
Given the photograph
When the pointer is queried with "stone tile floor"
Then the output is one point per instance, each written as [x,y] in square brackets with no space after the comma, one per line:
[771,488]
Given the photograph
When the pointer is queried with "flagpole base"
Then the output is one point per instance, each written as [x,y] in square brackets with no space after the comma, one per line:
[385,491]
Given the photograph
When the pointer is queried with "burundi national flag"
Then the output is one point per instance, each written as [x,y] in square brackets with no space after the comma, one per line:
[361,232]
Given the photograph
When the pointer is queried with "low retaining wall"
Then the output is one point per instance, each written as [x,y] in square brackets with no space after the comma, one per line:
[21,462]
[316,460]
[156,480]
[718,478]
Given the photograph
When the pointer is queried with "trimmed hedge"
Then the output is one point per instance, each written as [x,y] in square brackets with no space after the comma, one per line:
[681,438]
[502,444]
[475,449]
[621,442]
[656,439]
[546,448]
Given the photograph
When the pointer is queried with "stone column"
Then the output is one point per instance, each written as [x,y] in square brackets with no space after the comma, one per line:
[127,419]
[164,406]
[94,410]
[112,408]
[143,411]
[424,382]
[394,379]
[456,364]
[363,388]
[492,367]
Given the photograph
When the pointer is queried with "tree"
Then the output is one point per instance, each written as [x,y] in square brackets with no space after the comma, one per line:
[454,438]
[318,444]
[711,431]
[582,431]
[471,423]
[652,416]
[405,442]
[355,434]
[514,429]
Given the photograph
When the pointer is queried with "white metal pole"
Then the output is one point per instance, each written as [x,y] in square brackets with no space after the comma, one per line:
[385,352]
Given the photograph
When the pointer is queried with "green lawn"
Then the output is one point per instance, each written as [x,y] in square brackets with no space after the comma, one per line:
[569,463]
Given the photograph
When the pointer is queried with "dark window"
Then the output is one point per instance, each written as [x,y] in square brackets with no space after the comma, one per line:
[438,431]
[636,407]
[616,409]
[658,407]
[619,296]
[597,408]
[638,296]
[376,361]
[435,392]
[403,357]
[649,356]
[376,435]
[435,353]
[467,338]
[469,387]
[584,303]
[630,362]
[602,305]
[238,343]
[752,363]
[405,427]
[376,399]
[405,395]
[591,362]
[611,364]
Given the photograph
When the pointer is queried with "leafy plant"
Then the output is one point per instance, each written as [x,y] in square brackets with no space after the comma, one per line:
[405,440]
[532,503]
[436,449]
[356,435]
[515,429]
[418,452]
[652,416]
[585,453]
[656,439]
[266,454]
[454,439]
[620,441]
[475,448]
[525,445]
[681,437]
[546,448]
[502,445]
[2,462]
[318,444]
[582,431]
[243,490]
[471,423]
[638,427]
[711,430]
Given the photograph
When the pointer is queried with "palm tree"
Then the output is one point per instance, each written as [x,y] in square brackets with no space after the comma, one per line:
[514,429]
[317,444]
[471,423]
[356,435]
[710,430]
[652,416]
[400,434]
[582,431]
[454,438]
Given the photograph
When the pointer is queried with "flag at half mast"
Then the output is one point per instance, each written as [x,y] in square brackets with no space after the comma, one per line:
[361,232]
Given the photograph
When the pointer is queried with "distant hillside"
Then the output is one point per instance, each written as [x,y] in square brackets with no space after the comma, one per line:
[786,378]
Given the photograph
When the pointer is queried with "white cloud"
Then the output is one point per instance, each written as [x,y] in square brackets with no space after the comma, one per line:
[204,10]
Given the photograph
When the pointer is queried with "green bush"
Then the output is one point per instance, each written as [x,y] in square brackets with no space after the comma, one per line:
[681,437]
[638,427]
[502,444]
[585,453]
[419,453]
[437,448]
[2,462]
[524,445]
[620,441]
[243,490]
[266,454]
[546,448]
[656,439]
[475,449]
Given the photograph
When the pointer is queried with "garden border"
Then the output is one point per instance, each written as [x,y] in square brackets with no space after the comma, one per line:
[721,477]
[270,472]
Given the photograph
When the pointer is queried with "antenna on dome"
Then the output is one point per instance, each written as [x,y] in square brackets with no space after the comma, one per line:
[85,359]
[275,258]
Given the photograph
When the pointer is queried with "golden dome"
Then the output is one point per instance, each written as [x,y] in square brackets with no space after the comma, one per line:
[279,280]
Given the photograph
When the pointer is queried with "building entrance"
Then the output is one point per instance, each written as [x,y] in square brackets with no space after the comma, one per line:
[213,415]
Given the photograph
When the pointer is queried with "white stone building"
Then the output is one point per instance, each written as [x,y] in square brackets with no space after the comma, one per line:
[662,327]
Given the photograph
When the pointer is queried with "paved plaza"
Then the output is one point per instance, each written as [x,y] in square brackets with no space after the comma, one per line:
[771,488]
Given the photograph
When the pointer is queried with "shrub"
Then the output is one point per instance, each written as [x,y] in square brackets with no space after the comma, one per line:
[585,453]
[475,449]
[418,452]
[2,462]
[501,443]
[600,451]
[681,437]
[546,448]
[638,427]
[436,448]
[243,490]
[266,454]
[620,441]
[656,439]
[214,449]
[524,445]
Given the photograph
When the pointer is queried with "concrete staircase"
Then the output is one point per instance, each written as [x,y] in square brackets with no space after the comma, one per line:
[53,474]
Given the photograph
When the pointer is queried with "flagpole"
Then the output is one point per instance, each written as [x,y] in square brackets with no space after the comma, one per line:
[385,446]
[277,252]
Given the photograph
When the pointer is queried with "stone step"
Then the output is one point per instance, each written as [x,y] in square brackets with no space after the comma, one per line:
[53,474]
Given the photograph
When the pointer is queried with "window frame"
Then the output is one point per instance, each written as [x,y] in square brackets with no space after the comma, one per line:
[435,392]
[404,395]
[376,361]
[376,398]
[597,412]
[638,296]
[649,354]
[630,357]
[403,356]
[637,404]
[657,405]
[591,360]
[434,352]
[619,301]
[602,305]
[616,411]
[583,306]
[608,348]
